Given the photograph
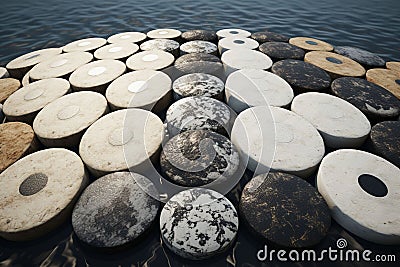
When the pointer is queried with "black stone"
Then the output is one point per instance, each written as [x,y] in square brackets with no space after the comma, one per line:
[302,76]
[385,139]
[285,210]
[202,35]
[280,50]
[374,101]
[33,184]
[267,36]
[199,63]
[189,159]
[365,58]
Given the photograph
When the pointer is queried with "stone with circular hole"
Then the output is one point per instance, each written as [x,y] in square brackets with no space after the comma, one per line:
[146,89]
[39,192]
[310,44]
[153,60]
[234,42]
[120,51]
[388,79]
[237,59]
[63,122]
[233,33]
[394,66]
[280,50]
[122,140]
[362,191]
[84,45]
[198,84]
[201,213]
[364,57]
[127,37]
[385,139]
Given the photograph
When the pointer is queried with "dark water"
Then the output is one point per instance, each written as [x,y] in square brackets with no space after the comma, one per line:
[30,25]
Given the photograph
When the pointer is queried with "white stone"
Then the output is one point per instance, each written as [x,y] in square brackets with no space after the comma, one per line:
[232,33]
[236,43]
[164,33]
[376,219]
[116,51]
[154,60]
[237,59]
[4,73]
[132,37]
[83,45]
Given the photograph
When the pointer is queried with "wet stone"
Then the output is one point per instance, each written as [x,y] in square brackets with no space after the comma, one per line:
[362,56]
[198,223]
[198,84]
[267,36]
[385,138]
[115,210]
[285,210]
[301,75]
[202,35]
[279,50]
[374,101]
[200,157]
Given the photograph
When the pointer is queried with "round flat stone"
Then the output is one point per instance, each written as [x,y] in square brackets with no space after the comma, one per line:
[60,65]
[4,73]
[198,223]
[267,36]
[335,64]
[116,51]
[38,193]
[385,138]
[25,80]
[250,88]
[198,46]
[7,87]
[278,139]
[341,124]
[233,33]
[199,157]
[236,43]
[364,57]
[106,143]
[62,122]
[394,66]
[24,104]
[280,50]
[388,79]
[19,66]
[164,34]
[161,44]
[96,76]
[374,101]
[301,75]
[363,191]
[146,89]
[198,84]
[198,62]
[17,139]
[202,35]
[310,44]
[237,59]
[83,45]
[199,112]
[154,60]
[130,37]
[114,210]
[285,210]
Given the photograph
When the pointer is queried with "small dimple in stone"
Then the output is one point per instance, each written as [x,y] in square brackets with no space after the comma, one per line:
[33,184]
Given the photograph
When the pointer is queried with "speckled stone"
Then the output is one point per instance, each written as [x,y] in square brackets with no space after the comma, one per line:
[166,45]
[83,45]
[385,138]
[199,112]
[198,63]
[7,87]
[202,35]
[115,210]
[199,157]
[285,210]
[198,47]
[310,44]
[301,75]
[362,191]
[267,36]
[198,223]
[374,101]
[364,57]
[279,50]
[394,66]
[198,84]
[388,79]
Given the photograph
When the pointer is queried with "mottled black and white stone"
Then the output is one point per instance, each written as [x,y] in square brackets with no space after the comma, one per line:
[198,84]
[364,57]
[115,210]
[199,157]
[285,210]
[267,36]
[280,50]
[198,46]
[198,223]
[199,112]
[198,62]
[203,35]
[302,76]
[385,138]
[374,101]
[166,45]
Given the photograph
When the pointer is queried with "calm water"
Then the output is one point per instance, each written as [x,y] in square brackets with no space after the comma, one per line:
[30,25]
